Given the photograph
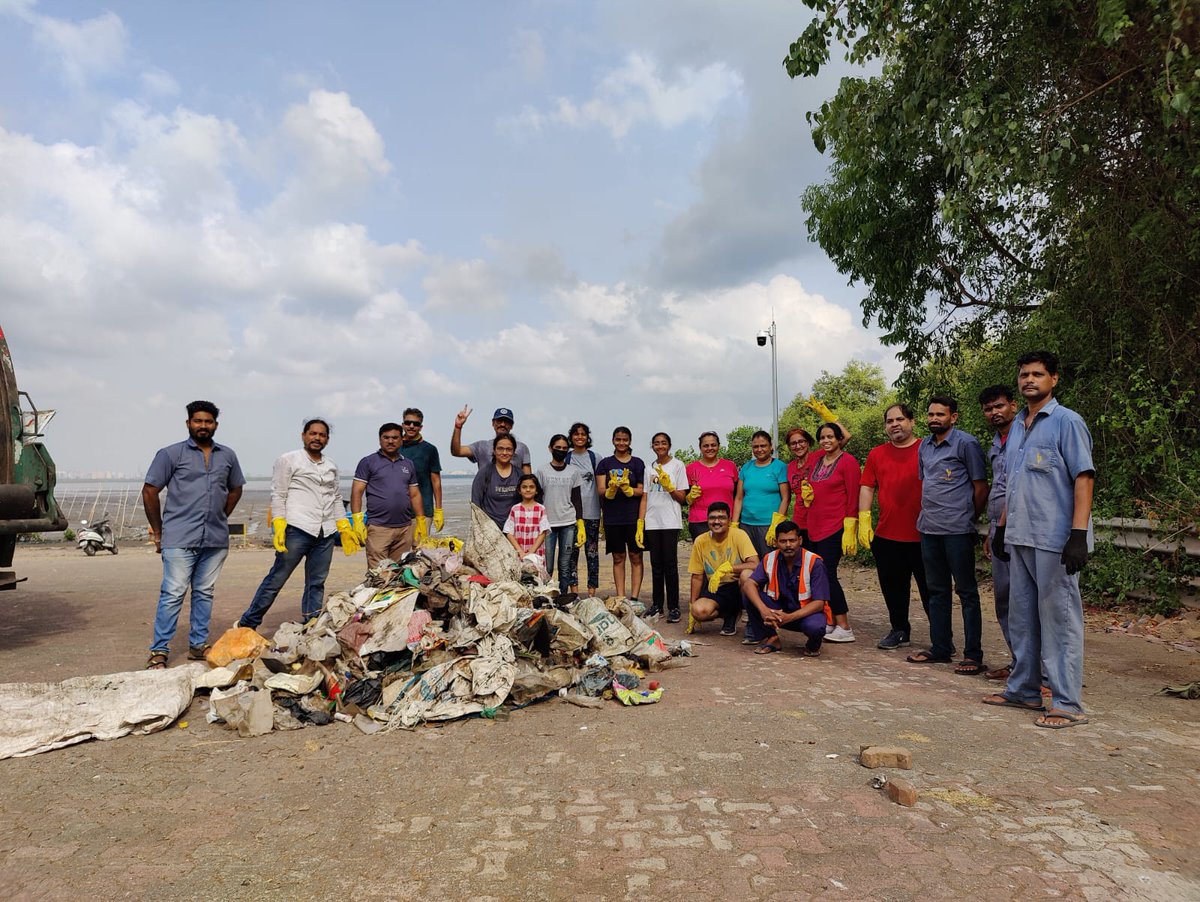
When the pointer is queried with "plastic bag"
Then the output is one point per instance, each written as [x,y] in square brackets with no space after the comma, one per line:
[235,644]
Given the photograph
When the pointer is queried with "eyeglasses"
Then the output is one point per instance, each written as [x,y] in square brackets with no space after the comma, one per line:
[412,422]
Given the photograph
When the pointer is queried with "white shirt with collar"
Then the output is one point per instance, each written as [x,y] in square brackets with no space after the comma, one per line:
[307,493]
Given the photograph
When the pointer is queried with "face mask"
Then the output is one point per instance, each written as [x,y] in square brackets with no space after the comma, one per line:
[559,454]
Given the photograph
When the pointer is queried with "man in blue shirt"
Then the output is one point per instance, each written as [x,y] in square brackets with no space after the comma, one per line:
[999,407]
[204,484]
[1047,527]
[388,480]
[953,491]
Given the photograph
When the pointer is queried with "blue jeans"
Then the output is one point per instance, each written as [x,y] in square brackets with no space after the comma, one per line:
[317,554]
[946,558]
[591,551]
[183,567]
[561,538]
[1045,619]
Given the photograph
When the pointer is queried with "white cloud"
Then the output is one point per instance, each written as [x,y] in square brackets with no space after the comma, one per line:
[529,53]
[464,285]
[159,83]
[84,50]
[638,93]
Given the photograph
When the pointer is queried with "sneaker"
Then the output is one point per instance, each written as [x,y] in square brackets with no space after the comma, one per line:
[673,615]
[653,612]
[729,627]
[839,634]
[894,639]
[828,628]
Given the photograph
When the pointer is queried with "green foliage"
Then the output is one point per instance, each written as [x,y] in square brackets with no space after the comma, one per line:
[1024,175]
[737,444]
[687,455]
[1115,577]
[858,395]
[68,535]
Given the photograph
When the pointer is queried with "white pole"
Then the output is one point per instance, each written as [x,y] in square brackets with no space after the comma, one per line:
[774,387]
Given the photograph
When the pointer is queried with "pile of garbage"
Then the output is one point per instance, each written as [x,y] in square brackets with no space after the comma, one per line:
[447,631]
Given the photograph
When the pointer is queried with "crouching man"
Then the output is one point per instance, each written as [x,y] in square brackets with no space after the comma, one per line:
[720,558]
[788,590]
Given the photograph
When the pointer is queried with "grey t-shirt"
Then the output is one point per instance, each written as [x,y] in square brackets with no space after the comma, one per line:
[482,452]
[557,486]
[587,468]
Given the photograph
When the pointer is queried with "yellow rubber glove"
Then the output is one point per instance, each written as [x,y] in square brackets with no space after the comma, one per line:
[359,527]
[849,540]
[439,519]
[612,487]
[806,492]
[349,540]
[693,493]
[639,534]
[420,532]
[663,479]
[714,581]
[626,487]
[580,534]
[819,408]
[865,533]
[279,526]
[776,519]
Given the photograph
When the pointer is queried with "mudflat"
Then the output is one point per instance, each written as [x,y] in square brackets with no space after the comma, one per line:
[742,783]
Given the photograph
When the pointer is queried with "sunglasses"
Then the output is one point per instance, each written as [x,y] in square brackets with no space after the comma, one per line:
[412,422]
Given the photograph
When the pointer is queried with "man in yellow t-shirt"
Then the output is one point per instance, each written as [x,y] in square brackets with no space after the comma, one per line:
[720,558]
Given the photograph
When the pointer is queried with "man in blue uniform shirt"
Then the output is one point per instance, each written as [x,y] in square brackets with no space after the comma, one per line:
[204,484]
[1046,527]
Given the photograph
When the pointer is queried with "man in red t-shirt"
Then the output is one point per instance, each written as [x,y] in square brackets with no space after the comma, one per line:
[891,469]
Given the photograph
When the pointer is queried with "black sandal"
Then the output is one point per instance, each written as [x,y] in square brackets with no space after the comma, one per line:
[967,667]
[927,657]
[157,661]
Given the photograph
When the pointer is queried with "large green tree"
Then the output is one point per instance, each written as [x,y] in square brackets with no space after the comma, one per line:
[1021,174]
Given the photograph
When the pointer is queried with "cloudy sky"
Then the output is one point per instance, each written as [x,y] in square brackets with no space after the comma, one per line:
[578,210]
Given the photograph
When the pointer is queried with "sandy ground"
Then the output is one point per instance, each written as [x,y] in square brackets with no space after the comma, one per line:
[742,783]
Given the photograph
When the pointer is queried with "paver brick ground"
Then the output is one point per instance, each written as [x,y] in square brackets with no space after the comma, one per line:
[742,783]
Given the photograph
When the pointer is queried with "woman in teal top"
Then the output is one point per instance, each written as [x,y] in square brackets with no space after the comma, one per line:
[763,494]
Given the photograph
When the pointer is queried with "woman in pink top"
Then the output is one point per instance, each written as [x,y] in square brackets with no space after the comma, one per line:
[711,478]
[834,476]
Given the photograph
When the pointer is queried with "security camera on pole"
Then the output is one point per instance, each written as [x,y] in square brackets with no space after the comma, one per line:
[762,338]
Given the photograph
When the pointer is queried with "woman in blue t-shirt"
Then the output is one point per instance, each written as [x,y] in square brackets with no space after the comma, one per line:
[763,493]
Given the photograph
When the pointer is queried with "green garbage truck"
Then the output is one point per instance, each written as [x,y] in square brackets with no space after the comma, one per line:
[26,470]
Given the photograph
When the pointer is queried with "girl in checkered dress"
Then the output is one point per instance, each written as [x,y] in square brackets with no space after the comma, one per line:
[527,525]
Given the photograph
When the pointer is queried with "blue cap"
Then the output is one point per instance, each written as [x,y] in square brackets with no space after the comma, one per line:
[503,413]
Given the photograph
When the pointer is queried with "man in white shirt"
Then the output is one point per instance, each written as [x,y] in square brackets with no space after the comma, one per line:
[307,515]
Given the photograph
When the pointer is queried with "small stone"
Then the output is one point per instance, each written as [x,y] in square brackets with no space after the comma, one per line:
[885,756]
[901,792]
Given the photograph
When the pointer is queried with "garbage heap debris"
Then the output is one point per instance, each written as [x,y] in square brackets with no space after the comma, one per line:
[445,632]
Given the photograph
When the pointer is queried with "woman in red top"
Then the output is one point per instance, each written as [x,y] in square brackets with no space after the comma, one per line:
[833,517]
[799,443]
[711,478]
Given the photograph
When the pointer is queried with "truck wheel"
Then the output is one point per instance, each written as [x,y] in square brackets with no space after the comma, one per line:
[89,550]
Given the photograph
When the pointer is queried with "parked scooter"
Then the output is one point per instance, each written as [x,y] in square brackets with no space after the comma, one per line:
[96,537]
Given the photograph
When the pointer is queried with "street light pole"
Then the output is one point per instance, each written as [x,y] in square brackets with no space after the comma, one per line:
[774,387]
[762,338]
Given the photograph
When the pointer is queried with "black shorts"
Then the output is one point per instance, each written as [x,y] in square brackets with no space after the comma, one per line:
[619,539]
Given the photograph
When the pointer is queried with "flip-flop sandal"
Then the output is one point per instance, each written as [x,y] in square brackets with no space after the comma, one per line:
[1003,701]
[1069,718]
[766,649]
[967,667]
[157,661]
[809,653]
[1000,673]
[927,657]
[197,652]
